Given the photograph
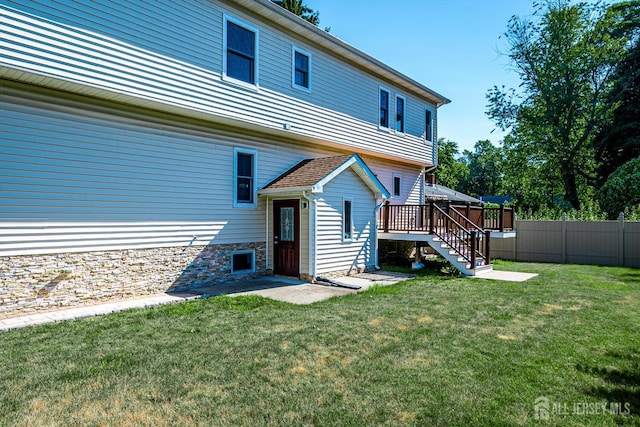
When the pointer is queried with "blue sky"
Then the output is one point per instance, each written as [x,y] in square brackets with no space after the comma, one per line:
[451,47]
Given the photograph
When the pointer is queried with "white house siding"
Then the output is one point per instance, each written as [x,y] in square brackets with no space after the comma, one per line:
[72,179]
[334,255]
[170,54]
[412,183]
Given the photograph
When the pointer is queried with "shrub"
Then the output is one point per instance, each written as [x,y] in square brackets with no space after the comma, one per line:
[622,189]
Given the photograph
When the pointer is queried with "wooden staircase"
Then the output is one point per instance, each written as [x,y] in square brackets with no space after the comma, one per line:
[459,240]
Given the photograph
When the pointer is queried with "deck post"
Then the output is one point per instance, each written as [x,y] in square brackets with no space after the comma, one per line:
[432,217]
[473,248]
[502,217]
[482,216]
[468,211]
[385,216]
[487,243]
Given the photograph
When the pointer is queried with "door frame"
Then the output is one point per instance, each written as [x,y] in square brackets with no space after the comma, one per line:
[277,204]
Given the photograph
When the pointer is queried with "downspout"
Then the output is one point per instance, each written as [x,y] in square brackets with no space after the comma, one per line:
[313,202]
[375,231]
[266,240]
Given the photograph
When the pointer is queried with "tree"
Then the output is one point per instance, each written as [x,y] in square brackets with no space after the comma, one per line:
[529,180]
[450,171]
[620,140]
[485,169]
[565,56]
[622,189]
[297,7]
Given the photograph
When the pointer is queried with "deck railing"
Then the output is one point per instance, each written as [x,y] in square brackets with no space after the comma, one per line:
[494,219]
[464,237]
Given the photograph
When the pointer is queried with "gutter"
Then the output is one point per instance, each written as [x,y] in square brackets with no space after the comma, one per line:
[266,241]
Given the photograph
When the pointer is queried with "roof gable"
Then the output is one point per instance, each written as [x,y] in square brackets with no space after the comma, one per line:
[313,174]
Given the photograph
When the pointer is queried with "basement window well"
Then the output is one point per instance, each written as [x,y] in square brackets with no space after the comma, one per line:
[243,262]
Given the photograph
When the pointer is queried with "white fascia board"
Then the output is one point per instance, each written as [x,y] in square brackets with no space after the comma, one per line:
[371,179]
[284,191]
[318,187]
[362,170]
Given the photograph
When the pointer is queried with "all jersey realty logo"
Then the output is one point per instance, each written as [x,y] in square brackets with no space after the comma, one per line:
[541,408]
[544,409]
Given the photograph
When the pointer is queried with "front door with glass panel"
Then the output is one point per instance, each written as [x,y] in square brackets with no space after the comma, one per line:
[286,237]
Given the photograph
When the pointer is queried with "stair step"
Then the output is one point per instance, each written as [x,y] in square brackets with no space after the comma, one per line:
[484,269]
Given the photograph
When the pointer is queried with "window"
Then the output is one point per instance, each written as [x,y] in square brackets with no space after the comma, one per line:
[397,185]
[243,262]
[241,52]
[245,162]
[347,220]
[428,132]
[399,113]
[301,69]
[384,108]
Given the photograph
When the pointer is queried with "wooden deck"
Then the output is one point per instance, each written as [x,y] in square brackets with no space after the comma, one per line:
[461,231]
[415,218]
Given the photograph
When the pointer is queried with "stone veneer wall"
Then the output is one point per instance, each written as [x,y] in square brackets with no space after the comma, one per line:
[34,282]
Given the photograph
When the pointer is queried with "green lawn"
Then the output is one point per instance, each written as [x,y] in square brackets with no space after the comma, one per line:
[436,350]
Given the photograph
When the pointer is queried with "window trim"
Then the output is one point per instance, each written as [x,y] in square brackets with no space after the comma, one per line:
[256,60]
[427,137]
[345,238]
[254,190]
[294,50]
[393,185]
[404,115]
[252,252]
[380,90]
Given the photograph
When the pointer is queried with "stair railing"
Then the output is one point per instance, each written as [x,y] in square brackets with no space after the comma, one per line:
[467,243]
[463,237]
[482,244]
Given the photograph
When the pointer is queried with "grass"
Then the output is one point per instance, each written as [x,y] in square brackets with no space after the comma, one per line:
[436,350]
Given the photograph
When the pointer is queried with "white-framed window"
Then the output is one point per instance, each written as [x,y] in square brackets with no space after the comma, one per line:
[397,185]
[245,168]
[347,219]
[243,262]
[428,124]
[384,101]
[240,52]
[401,103]
[301,69]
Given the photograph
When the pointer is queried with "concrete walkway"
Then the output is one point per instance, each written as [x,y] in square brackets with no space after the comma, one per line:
[277,288]
[507,276]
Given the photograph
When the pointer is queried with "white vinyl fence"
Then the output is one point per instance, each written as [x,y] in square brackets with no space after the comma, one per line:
[579,242]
